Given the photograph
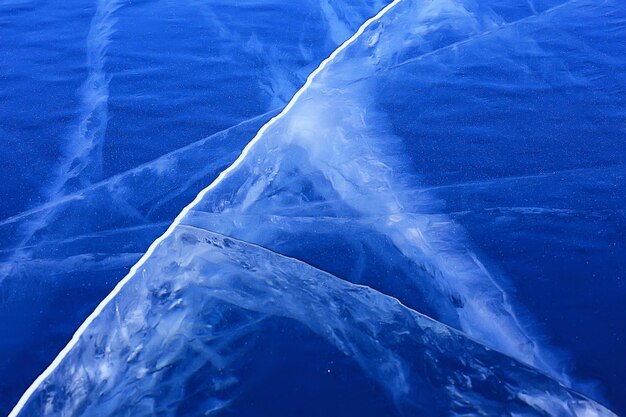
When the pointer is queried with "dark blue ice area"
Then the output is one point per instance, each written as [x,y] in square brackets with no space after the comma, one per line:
[522,133]
[39,79]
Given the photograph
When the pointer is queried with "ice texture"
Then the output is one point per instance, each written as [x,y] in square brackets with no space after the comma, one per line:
[352,179]
[212,325]
[110,179]
[328,183]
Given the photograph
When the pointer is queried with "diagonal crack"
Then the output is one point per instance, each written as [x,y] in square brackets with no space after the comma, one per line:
[481,35]
[78,195]
[134,270]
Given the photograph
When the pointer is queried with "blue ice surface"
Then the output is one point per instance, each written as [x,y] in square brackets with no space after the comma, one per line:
[467,158]
[113,116]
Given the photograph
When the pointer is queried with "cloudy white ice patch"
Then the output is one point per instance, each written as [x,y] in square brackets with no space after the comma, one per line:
[332,155]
